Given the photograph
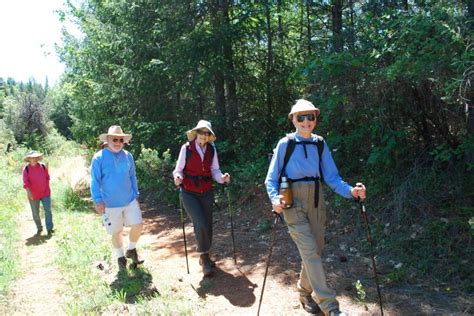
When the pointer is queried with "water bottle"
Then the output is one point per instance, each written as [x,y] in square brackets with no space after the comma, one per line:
[106,219]
[285,191]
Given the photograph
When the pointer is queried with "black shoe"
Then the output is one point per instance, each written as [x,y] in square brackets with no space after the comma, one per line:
[132,254]
[337,312]
[50,232]
[206,264]
[38,232]
[122,264]
[310,305]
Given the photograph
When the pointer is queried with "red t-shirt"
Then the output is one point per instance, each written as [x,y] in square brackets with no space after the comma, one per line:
[36,179]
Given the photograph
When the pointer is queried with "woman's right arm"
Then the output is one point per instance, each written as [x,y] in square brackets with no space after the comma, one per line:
[180,164]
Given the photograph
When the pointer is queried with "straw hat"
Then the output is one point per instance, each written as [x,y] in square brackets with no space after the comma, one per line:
[33,154]
[301,106]
[116,131]
[201,124]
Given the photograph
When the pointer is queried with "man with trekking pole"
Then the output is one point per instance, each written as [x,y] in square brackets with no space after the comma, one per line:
[301,162]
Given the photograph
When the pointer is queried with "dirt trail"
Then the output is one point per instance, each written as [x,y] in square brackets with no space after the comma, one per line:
[38,289]
[235,288]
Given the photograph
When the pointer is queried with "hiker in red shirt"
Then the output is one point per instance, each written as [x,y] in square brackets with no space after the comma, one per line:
[36,184]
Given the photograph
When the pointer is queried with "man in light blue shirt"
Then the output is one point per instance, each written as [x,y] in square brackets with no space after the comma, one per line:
[114,191]
[305,215]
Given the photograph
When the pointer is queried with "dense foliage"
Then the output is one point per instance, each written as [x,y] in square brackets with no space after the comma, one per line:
[392,80]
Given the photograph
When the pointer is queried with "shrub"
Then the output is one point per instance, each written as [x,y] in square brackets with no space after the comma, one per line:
[155,173]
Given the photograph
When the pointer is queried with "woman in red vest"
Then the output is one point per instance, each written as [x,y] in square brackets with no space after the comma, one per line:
[197,165]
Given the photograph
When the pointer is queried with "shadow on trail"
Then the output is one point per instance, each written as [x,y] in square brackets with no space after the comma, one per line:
[133,283]
[238,290]
[36,240]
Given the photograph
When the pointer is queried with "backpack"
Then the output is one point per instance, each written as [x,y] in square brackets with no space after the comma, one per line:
[42,165]
[291,147]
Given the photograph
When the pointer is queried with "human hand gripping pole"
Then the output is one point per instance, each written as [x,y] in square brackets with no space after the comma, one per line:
[277,219]
[369,240]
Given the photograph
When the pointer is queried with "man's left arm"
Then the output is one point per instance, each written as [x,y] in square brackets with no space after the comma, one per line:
[133,177]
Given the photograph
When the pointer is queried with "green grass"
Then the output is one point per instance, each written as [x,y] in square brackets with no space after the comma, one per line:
[12,199]
[82,243]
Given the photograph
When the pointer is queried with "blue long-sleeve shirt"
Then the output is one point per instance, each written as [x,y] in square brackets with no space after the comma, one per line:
[113,178]
[300,166]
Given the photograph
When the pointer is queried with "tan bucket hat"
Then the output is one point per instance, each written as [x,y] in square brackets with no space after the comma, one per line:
[201,124]
[115,130]
[302,105]
[33,154]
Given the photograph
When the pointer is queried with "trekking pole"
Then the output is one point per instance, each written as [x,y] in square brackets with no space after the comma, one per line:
[272,242]
[231,225]
[369,239]
[184,233]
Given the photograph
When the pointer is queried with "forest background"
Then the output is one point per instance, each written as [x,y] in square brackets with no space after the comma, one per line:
[392,79]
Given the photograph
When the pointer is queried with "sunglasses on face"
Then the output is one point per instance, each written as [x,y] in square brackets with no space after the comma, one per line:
[115,140]
[206,133]
[310,117]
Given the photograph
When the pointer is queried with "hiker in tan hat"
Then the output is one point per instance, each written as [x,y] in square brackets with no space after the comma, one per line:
[36,184]
[197,165]
[114,191]
[303,160]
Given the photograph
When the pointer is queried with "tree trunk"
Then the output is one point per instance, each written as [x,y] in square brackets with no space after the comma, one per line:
[219,77]
[469,94]
[405,5]
[232,104]
[219,95]
[308,26]
[337,26]
[280,23]
[269,66]
[351,40]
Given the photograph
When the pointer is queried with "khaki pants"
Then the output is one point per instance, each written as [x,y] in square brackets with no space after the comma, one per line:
[306,225]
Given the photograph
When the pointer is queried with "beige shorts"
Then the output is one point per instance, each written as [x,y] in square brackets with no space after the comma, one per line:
[118,217]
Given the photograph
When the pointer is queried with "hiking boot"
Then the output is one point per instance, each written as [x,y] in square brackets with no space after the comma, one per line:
[309,304]
[206,264]
[122,264]
[132,254]
[50,232]
[337,312]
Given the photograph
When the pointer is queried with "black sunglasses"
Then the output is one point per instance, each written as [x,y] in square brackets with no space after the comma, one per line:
[118,140]
[310,117]
[204,133]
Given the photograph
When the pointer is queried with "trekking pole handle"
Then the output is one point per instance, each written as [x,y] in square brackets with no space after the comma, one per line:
[278,217]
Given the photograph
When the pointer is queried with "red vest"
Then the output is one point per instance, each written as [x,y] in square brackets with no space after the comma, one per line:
[197,173]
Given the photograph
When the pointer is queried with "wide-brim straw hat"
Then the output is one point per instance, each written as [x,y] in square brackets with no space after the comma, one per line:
[33,154]
[115,131]
[192,133]
[302,106]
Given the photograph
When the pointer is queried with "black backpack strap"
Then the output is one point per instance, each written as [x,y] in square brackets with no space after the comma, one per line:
[213,151]
[26,168]
[320,145]
[290,147]
[189,152]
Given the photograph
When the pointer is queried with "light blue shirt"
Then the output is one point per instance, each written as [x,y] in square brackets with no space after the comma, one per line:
[300,166]
[113,178]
